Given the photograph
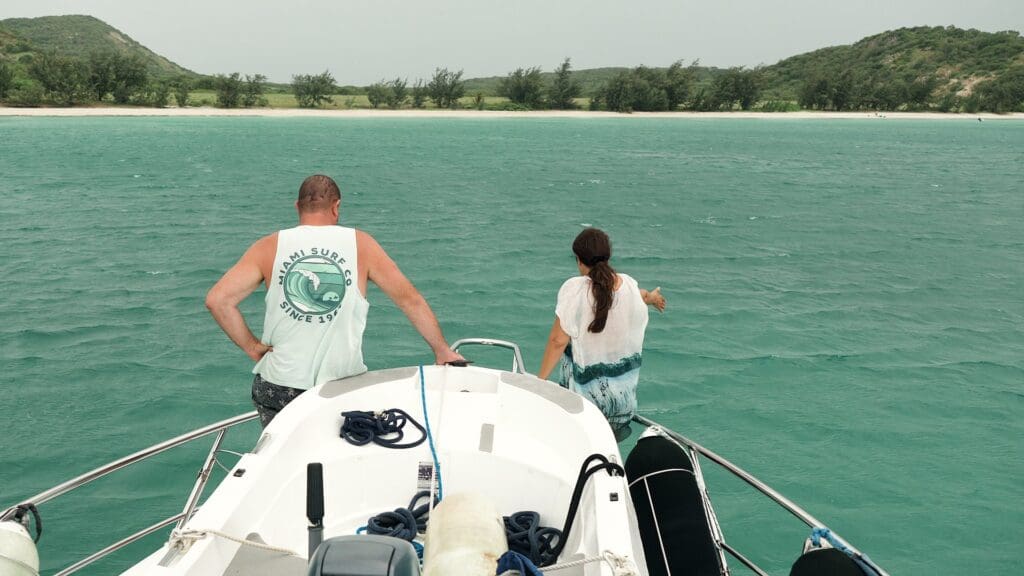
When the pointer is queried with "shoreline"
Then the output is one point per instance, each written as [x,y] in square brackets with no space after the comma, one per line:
[433,113]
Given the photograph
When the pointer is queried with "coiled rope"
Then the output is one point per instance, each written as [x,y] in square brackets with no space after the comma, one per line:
[542,546]
[526,536]
[362,427]
[404,523]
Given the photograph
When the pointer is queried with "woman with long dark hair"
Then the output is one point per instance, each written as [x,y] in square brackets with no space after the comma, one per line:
[598,334]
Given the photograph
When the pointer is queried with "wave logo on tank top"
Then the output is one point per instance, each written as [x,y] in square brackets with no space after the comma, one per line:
[314,284]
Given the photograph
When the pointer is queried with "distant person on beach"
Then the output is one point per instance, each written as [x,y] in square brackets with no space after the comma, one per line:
[316,276]
[598,334]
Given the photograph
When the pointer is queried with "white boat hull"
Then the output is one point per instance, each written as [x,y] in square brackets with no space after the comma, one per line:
[510,438]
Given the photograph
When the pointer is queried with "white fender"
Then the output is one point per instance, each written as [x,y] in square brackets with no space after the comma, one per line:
[465,537]
[18,555]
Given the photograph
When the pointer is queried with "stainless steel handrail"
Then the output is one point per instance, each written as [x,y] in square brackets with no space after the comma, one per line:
[119,544]
[116,465]
[760,486]
[743,559]
[517,356]
[220,428]
[742,474]
[201,479]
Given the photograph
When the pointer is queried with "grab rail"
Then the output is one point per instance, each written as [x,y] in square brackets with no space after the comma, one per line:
[760,486]
[517,356]
[116,465]
[119,544]
[219,428]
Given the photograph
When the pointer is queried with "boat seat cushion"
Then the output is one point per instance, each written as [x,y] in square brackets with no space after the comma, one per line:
[364,555]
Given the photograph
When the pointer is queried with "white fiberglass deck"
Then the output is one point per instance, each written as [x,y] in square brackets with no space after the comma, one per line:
[512,438]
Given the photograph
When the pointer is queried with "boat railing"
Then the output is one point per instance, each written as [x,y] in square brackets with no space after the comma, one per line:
[761,487]
[517,356]
[191,504]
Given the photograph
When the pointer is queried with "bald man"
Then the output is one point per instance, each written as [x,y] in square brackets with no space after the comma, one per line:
[316,276]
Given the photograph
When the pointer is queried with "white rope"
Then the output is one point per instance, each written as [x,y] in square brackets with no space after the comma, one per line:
[194,535]
[620,565]
[646,476]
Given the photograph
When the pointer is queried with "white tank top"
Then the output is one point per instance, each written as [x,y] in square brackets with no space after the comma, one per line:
[315,313]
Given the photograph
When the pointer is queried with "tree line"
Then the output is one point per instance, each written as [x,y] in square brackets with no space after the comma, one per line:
[50,78]
[67,81]
[119,78]
[124,80]
[847,89]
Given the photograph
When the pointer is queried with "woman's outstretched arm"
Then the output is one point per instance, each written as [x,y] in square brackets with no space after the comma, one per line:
[653,298]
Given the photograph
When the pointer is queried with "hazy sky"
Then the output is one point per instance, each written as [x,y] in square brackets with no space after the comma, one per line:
[361,41]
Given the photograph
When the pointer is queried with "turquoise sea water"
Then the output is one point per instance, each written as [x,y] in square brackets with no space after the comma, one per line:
[845,321]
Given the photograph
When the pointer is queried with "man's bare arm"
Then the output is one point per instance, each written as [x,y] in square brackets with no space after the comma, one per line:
[237,283]
[382,271]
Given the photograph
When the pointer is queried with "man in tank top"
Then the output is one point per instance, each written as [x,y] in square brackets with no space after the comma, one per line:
[316,277]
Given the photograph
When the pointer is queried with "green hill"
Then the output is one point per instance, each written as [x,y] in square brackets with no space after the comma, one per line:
[7,38]
[78,36]
[941,61]
[949,59]
[956,59]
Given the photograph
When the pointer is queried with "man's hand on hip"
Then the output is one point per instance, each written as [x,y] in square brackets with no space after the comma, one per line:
[258,350]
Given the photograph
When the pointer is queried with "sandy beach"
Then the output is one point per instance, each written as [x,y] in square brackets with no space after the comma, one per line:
[409,113]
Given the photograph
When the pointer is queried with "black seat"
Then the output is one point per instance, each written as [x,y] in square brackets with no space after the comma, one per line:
[364,555]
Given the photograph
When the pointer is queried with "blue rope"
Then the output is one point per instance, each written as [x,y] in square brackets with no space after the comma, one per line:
[398,524]
[430,436]
[415,545]
[862,561]
[362,427]
[818,533]
[404,523]
[527,537]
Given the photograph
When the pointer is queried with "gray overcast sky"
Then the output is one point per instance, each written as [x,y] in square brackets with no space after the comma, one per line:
[361,41]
